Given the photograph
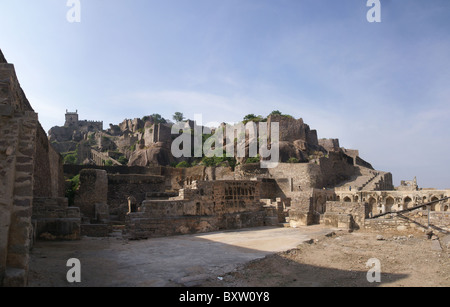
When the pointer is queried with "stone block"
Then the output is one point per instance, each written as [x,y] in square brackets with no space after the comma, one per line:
[6,110]
[15,278]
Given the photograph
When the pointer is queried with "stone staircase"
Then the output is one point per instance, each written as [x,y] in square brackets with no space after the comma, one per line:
[366,181]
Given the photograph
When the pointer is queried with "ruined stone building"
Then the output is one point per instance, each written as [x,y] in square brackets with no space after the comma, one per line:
[324,184]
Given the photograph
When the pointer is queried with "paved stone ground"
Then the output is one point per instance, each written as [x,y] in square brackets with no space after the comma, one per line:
[188,260]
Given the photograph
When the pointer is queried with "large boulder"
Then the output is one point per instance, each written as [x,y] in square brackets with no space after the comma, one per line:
[156,154]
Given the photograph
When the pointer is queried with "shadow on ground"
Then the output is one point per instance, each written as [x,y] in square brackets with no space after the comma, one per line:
[190,260]
[278,271]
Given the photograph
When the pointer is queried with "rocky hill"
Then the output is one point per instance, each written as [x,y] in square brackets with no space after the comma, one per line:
[147,141]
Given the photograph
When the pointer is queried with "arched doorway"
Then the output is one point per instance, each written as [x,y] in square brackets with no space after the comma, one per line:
[389,204]
[407,202]
[433,206]
[347,199]
[320,204]
[372,205]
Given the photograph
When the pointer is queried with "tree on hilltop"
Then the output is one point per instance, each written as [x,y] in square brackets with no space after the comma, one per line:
[178,117]
[158,119]
[275,113]
[252,118]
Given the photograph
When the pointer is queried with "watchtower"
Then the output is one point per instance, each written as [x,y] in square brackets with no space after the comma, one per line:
[71,118]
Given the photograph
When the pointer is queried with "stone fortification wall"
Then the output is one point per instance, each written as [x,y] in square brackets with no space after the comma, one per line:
[29,168]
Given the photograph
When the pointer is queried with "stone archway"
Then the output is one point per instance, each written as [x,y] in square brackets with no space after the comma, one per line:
[433,206]
[372,205]
[320,204]
[389,204]
[407,202]
[347,199]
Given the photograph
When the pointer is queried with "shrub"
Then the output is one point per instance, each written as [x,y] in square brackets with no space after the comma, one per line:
[280,114]
[74,184]
[216,161]
[183,164]
[256,159]
[123,160]
[70,158]
[293,160]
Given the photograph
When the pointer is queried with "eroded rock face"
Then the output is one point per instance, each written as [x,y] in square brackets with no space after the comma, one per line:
[290,150]
[156,154]
[292,129]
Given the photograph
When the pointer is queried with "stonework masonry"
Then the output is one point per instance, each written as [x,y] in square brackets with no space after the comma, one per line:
[205,206]
[30,169]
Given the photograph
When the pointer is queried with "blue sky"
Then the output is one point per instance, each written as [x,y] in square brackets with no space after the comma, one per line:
[382,88]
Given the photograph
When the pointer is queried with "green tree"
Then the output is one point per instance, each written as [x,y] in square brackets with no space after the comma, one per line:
[252,118]
[275,113]
[178,117]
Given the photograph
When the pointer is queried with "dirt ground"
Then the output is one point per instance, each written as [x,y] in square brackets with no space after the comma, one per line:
[340,261]
[269,257]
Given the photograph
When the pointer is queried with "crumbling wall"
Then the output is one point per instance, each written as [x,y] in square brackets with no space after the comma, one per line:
[93,190]
[347,215]
[120,187]
[412,221]
[330,144]
[207,206]
[55,220]
[335,169]
[298,176]
[301,213]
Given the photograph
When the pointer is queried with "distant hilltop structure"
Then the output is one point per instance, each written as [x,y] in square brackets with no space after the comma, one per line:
[73,121]
[74,129]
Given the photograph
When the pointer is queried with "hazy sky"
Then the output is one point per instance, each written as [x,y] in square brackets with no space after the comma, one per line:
[382,88]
